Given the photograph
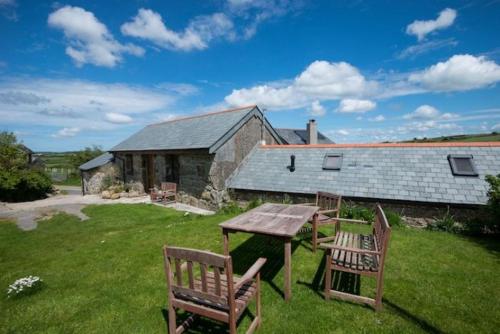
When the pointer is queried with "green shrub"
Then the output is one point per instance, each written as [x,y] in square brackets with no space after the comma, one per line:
[445,223]
[351,211]
[231,208]
[393,218]
[24,185]
[254,203]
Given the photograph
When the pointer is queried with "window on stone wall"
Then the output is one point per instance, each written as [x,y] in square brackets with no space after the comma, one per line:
[462,165]
[129,164]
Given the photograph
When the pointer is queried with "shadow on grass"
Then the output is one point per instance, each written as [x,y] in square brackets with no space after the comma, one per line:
[245,255]
[490,243]
[424,325]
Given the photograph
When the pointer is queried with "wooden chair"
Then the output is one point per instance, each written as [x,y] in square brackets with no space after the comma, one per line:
[215,294]
[329,214]
[359,254]
[168,191]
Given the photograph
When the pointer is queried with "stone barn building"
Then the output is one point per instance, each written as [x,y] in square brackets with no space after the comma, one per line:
[198,153]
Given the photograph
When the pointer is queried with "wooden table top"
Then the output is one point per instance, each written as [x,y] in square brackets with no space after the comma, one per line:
[282,220]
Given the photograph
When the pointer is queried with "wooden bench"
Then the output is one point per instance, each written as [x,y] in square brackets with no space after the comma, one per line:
[168,192]
[359,254]
[214,293]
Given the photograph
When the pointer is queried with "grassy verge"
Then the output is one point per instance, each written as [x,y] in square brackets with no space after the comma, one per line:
[105,275]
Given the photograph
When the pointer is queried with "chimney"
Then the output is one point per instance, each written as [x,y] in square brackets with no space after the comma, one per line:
[312,132]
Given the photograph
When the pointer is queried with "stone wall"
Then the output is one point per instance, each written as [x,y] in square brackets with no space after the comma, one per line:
[93,179]
[411,212]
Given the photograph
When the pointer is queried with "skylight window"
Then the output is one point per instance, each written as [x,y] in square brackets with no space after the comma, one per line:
[462,165]
[332,162]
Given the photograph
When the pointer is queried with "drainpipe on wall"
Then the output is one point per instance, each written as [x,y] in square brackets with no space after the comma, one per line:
[312,132]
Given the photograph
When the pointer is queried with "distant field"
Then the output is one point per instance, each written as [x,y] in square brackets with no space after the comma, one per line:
[455,138]
[56,159]
[59,167]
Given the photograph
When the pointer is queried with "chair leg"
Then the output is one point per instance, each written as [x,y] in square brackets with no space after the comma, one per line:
[314,234]
[380,289]
[328,276]
[257,301]
[172,325]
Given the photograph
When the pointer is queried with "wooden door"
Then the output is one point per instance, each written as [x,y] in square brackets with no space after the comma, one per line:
[148,171]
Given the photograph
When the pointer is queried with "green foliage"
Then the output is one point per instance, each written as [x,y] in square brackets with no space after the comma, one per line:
[351,211]
[445,223]
[18,181]
[254,203]
[393,218]
[494,196]
[78,158]
[231,208]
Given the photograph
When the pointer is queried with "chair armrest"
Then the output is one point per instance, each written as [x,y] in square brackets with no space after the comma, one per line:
[349,249]
[250,274]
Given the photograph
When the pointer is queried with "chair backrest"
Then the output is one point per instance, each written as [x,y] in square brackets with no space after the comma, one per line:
[215,286]
[381,231]
[328,201]
[168,186]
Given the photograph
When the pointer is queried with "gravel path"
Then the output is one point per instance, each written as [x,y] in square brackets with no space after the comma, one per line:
[26,214]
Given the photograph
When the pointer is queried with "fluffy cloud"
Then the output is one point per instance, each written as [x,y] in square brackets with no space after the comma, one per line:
[321,80]
[355,106]
[428,112]
[460,72]
[379,118]
[90,105]
[317,109]
[66,132]
[89,40]
[422,28]
[118,118]
[149,25]
[496,127]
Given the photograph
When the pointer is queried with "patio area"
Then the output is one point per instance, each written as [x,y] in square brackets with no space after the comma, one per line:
[107,273]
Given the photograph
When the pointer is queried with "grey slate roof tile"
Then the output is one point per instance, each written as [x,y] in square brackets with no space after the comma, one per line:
[401,173]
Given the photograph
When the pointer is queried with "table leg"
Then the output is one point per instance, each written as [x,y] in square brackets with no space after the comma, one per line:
[288,269]
[226,242]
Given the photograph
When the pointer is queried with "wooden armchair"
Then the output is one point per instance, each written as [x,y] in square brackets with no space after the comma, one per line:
[329,214]
[215,294]
[359,254]
[168,191]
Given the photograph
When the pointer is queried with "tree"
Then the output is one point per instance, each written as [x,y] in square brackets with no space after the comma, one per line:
[81,157]
[18,181]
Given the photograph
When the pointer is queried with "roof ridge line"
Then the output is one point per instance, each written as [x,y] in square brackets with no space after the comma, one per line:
[206,114]
[454,144]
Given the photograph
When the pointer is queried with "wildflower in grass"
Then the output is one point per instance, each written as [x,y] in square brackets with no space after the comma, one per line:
[24,286]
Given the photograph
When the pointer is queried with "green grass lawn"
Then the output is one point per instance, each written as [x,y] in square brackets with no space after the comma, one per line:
[105,275]
[74,180]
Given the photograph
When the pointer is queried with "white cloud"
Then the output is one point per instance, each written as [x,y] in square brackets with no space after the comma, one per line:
[422,28]
[429,112]
[317,109]
[460,72]
[355,106]
[118,118]
[379,118]
[424,47]
[321,80]
[89,40]
[90,105]
[496,127]
[66,132]
[182,89]
[201,30]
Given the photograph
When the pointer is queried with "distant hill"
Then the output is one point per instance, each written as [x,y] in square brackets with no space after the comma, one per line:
[494,136]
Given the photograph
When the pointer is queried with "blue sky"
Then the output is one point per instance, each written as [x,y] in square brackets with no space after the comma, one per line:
[77,73]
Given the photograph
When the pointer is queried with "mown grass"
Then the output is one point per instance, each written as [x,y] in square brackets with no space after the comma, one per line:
[105,275]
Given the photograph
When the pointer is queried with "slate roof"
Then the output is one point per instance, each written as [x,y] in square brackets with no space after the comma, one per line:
[196,132]
[407,172]
[299,136]
[97,162]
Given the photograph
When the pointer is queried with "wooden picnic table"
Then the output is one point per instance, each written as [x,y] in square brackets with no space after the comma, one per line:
[282,221]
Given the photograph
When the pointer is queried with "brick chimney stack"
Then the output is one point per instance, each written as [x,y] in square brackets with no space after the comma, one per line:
[312,132]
